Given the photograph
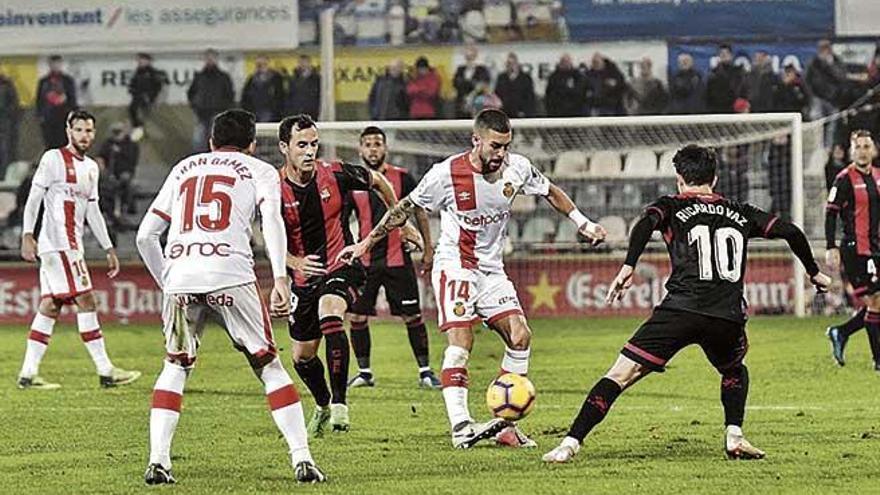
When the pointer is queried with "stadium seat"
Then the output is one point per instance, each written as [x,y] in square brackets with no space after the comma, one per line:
[616,228]
[523,204]
[7,204]
[571,164]
[666,167]
[16,172]
[640,163]
[566,232]
[605,164]
[538,229]
[497,13]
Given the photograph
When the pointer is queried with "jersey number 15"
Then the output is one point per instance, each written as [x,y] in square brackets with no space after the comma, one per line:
[209,196]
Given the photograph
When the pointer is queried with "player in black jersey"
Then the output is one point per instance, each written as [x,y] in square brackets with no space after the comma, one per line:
[707,238]
[388,265]
[855,197]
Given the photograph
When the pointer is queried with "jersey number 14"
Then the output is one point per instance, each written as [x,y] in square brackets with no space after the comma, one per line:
[727,251]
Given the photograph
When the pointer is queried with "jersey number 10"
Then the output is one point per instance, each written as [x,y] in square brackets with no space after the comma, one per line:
[208,196]
[728,252]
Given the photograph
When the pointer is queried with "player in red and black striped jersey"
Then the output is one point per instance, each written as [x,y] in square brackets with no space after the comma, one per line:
[855,199]
[388,265]
[707,239]
[313,195]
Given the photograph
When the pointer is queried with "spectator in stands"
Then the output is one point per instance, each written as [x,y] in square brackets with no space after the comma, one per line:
[481,98]
[605,87]
[725,83]
[646,94]
[304,93]
[516,89]
[388,100]
[790,95]
[761,83]
[210,93]
[56,97]
[566,90]
[119,156]
[687,92]
[9,118]
[733,167]
[423,90]
[263,92]
[826,80]
[836,163]
[144,88]
[466,78]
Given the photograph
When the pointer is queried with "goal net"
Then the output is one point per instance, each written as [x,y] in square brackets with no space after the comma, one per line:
[612,167]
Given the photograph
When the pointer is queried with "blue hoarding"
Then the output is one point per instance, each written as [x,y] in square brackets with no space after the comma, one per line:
[781,54]
[604,19]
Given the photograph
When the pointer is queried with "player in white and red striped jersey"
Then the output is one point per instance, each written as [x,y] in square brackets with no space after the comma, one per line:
[474,191]
[65,184]
[207,205]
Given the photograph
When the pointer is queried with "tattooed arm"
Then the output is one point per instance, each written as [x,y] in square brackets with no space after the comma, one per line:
[425,230]
[394,218]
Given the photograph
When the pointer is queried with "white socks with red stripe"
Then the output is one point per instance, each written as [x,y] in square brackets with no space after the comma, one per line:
[167,398]
[90,333]
[287,410]
[37,342]
[454,379]
[515,361]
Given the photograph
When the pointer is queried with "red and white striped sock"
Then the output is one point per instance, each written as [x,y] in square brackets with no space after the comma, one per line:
[90,333]
[165,411]
[287,410]
[454,379]
[515,361]
[37,342]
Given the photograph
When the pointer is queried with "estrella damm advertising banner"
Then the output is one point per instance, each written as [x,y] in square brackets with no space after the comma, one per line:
[356,69]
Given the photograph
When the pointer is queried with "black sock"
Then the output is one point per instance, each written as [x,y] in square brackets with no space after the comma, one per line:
[360,343]
[595,407]
[311,372]
[872,325]
[338,354]
[418,340]
[854,324]
[734,390]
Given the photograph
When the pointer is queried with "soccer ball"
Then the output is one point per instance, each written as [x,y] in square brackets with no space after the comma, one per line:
[511,397]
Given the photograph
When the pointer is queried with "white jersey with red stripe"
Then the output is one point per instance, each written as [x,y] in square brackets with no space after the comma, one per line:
[71,182]
[210,200]
[474,211]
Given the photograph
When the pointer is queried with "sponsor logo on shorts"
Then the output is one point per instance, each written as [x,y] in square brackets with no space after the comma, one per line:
[458,310]
[225,300]
[508,299]
[206,249]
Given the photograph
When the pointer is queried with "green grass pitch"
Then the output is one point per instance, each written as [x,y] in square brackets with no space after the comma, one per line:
[818,423]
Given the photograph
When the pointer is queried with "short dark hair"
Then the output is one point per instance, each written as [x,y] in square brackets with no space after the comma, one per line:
[860,133]
[373,131]
[725,46]
[300,121]
[55,58]
[80,114]
[234,127]
[492,119]
[697,165]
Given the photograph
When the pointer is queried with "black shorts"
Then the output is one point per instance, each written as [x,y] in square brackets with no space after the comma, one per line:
[401,291]
[861,271]
[346,282]
[668,331]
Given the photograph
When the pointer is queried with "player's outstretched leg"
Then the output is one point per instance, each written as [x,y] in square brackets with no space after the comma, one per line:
[164,415]
[287,412]
[37,342]
[517,350]
[839,334]
[311,371]
[90,332]
[338,355]
[872,325]
[418,342]
[734,391]
[621,376]
[361,344]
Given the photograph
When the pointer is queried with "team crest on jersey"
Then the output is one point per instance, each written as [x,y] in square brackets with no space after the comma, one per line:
[464,196]
[458,310]
[508,190]
[325,194]
[85,280]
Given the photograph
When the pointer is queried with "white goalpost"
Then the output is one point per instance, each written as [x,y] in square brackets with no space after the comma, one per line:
[613,166]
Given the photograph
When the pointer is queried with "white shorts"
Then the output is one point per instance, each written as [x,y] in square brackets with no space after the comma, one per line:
[464,297]
[240,310]
[64,275]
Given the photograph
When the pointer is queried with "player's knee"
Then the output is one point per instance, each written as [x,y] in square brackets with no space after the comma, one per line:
[626,373]
[303,353]
[455,357]
[520,337]
[331,305]
[361,319]
[50,307]
[86,302]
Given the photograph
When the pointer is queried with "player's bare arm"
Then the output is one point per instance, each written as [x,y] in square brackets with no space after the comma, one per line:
[386,194]
[428,250]
[394,218]
[560,201]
